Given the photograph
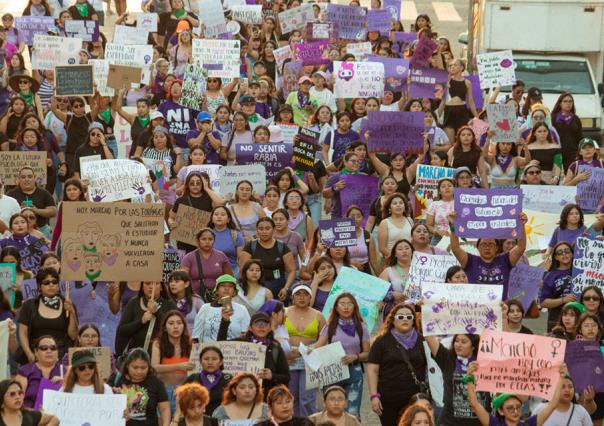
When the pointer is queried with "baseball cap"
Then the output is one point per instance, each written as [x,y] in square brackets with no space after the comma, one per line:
[247,99]
[204,116]
[156,114]
[588,141]
[304,79]
[95,125]
[260,317]
[82,357]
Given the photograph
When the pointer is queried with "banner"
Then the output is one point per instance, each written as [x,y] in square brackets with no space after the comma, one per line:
[349,21]
[591,190]
[585,365]
[524,284]
[427,268]
[129,36]
[488,213]
[425,82]
[520,364]
[112,241]
[222,55]
[296,18]
[547,198]
[78,409]
[116,180]
[395,131]
[87,30]
[238,356]
[496,68]
[588,264]
[274,156]
[100,68]
[147,22]
[305,147]
[194,86]
[360,191]
[460,308]
[502,120]
[8,276]
[338,232]
[102,354]
[426,181]
[230,176]
[396,72]
[367,290]
[172,261]
[189,220]
[358,79]
[312,52]
[331,369]
[29,26]
[50,51]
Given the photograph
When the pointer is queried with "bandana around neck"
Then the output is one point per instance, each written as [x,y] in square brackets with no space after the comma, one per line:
[210,380]
[347,326]
[52,302]
[407,340]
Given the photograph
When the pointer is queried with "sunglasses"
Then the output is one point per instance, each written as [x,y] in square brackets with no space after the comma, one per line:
[23,81]
[561,252]
[591,298]
[78,105]
[45,348]
[13,394]
[261,323]
[401,317]
[89,366]
[50,282]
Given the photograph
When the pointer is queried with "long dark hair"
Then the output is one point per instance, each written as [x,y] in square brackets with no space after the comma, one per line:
[389,321]
[566,211]
[392,261]
[474,340]
[166,348]
[533,135]
[181,275]
[4,385]
[201,176]
[39,138]
[457,149]
[135,355]
[230,223]
[332,321]
[558,107]
[555,262]
[85,327]
[243,276]
[77,183]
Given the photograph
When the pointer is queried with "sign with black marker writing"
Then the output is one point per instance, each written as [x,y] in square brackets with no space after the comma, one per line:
[74,80]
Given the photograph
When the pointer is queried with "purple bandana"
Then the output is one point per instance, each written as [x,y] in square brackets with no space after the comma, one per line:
[461,364]
[265,341]
[347,326]
[209,380]
[294,221]
[504,161]
[303,99]
[407,340]
[563,118]
[183,306]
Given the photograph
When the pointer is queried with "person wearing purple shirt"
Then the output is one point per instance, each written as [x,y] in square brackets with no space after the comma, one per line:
[179,119]
[557,283]
[204,135]
[570,227]
[340,139]
[491,266]
[335,183]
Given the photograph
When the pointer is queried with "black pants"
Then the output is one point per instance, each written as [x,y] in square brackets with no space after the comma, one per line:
[391,412]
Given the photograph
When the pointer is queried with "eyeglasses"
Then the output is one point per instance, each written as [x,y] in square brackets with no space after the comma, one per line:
[511,409]
[401,317]
[45,348]
[89,366]
[23,81]
[13,394]
[561,252]
[591,298]
[534,173]
[50,282]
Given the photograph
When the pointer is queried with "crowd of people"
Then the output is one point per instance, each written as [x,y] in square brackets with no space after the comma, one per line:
[259,272]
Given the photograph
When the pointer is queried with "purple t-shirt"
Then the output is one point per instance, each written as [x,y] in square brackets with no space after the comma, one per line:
[350,344]
[336,209]
[34,375]
[213,267]
[497,272]
[497,421]
[556,284]
[341,142]
[320,299]
[179,121]
[212,155]
[567,235]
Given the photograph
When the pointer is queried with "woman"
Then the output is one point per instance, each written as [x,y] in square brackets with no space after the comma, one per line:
[396,367]
[362,255]
[566,326]
[280,402]
[456,275]
[421,240]
[228,239]
[299,221]
[324,274]
[436,216]
[397,274]
[571,226]
[95,144]
[504,162]
[142,316]
[193,401]
[417,414]
[277,260]
[9,122]
[240,134]
[557,283]
[20,237]
[242,400]
[592,299]
[261,134]
[182,53]
[84,377]
[26,88]
[44,366]
[345,325]
[388,186]
[395,225]
[466,153]
[547,152]
[336,182]
[588,155]
[335,401]
[197,157]
[89,336]
[515,317]
[171,20]
[216,94]
[251,291]
[289,237]
[47,314]
[205,264]
[146,393]
[181,293]
[170,353]
[246,210]
[340,139]
[455,110]
[568,125]
[12,411]
[211,376]
[272,200]
[568,411]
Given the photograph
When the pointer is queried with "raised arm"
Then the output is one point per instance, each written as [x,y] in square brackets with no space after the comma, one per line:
[460,254]
[479,410]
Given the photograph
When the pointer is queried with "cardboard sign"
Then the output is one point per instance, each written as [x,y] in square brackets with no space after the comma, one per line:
[358,79]
[488,213]
[349,21]
[51,51]
[591,190]
[189,220]
[496,68]
[247,14]
[331,369]
[305,148]
[588,264]
[29,26]
[116,180]
[13,161]
[128,36]
[360,191]
[147,22]
[395,131]
[585,365]
[87,30]
[8,276]
[194,86]
[238,356]
[100,68]
[132,56]
[524,283]
[502,120]
[222,55]
[123,77]
[520,364]
[172,261]
[431,268]
[112,241]
[338,232]
[426,181]
[77,409]
[547,198]
[274,156]
[74,80]
[230,176]
[296,18]
[460,308]
[102,354]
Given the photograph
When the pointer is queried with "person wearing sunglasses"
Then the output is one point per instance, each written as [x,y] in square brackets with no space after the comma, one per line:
[593,300]
[12,411]
[557,283]
[84,377]
[32,224]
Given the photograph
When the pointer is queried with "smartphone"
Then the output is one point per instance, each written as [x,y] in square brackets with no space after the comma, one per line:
[227,303]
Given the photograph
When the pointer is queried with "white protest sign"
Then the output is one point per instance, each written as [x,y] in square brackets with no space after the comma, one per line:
[282,54]
[146,22]
[502,120]
[223,55]
[248,13]
[359,79]
[4,371]
[460,308]
[427,268]
[588,265]
[331,370]
[296,18]
[87,159]
[212,170]
[132,56]
[496,68]
[288,131]
[359,50]
[126,35]
[547,198]
[238,356]
[212,17]
[77,409]
[115,180]
[230,176]
[50,51]
[82,29]
[100,71]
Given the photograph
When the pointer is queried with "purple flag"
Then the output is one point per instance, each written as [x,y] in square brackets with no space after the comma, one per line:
[45,384]
[395,131]
[338,232]
[424,82]
[348,20]
[422,53]
[488,213]
[585,364]
[273,156]
[476,92]
[312,52]
[378,20]
[396,72]
[524,283]
[591,190]
[360,191]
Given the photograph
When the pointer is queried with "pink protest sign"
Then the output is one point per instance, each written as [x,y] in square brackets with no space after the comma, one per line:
[520,364]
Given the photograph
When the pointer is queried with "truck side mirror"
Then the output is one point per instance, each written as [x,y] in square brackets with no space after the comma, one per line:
[463,38]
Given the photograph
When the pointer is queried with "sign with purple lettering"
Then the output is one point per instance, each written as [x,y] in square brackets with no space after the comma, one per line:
[349,21]
[30,25]
[273,156]
[488,213]
[591,190]
[338,232]
[396,72]
[395,131]
[524,283]
[585,365]
[379,20]
[292,71]
[360,191]
[425,81]
[588,264]
[312,52]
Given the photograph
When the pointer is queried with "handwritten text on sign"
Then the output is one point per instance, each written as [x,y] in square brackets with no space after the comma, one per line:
[115,180]
[359,79]
[75,409]
[588,264]
[338,232]
[431,268]
[12,161]
[519,363]
[238,356]
[331,370]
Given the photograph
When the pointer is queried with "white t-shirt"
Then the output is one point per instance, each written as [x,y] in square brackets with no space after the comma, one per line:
[325,97]
[8,207]
[392,107]
[89,390]
[207,322]
[580,416]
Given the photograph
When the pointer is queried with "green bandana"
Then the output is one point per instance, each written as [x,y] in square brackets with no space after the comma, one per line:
[82,9]
[29,97]
[179,13]
[143,120]
[253,118]
[345,171]
[105,114]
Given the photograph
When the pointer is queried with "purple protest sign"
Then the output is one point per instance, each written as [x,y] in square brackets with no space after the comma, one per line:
[524,283]
[424,82]
[476,92]
[378,20]
[488,213]
[591,190]
[312,52]
[422,53]
[395,131]
[396,72]
[585,365]
[360,191]
[394,7]
[31,256]
[338,232]
[30,25]
[45,384]
[292,71]
[348,20]
[273,156]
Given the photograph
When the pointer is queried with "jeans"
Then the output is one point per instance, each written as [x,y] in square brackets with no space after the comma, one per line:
[305,401]
[313,201]
[171,391]
[354,389]
[112,145]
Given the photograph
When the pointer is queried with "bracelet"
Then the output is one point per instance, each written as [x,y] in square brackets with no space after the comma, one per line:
[375,395]
[468,379]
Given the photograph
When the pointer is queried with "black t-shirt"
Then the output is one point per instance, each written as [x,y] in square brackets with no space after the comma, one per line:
[77,131]
[272,259]
[148,394]
[86,151]
[40,198]
[29,418]
[215,393]
[39,326]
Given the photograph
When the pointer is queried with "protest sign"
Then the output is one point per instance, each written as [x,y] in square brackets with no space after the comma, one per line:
[502,120]
[132,56]
[331,370]
[360,191]
[282,54]
[100,71]
[547,198]
[479,127]
[288,131]
[50,51]
[379,20]
[338,232]
[524,284]
[172,260]
[147,22]
[295,18]
[220,57]
[212,170]
[394,7]
[588,264]
[349,21]
[312,52]
[488,213]
[115,180]
[13,161]
[31,255]
[360,51]
[426,181]
[4,333]
[112,241]
[424,82]
[78,409]
[591,190]
[431,268]
[367,290]
[123,77]
[292,71]
[496,68]
[230,176]
[477,96]
[305,147]
[403,38]
[396,72]
[194,86]
[8,276]
[189,220]
[29,26]
[247,14]
[102,355]
[520,364]
[87,159]
[87,30]
[212,17]
[274,156]
[585,364]
[321,31]
[238,356]
[358,79]
[126,35]
[74,80]
[395,131]
[460,308]
[422,52]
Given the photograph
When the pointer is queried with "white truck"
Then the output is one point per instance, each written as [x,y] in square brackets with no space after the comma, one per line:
[558,46]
